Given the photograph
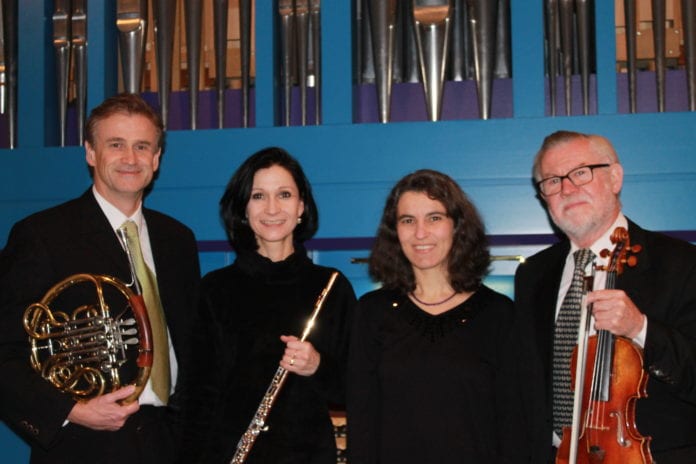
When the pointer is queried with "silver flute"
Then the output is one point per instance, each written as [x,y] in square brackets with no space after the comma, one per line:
[258,422]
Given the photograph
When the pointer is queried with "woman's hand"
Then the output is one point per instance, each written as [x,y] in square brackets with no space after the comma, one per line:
[299,357]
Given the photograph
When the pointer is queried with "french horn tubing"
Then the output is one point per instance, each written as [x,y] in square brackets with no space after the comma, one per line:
[97,347]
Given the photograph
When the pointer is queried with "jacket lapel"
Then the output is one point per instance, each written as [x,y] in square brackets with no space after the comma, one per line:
[547,297]
[94,229]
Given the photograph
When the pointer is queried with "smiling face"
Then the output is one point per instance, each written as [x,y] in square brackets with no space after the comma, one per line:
[583,213]
[425,231]
[273,210]
[125,157]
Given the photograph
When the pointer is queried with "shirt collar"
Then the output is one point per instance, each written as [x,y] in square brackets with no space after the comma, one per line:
[115,217]
[604,242]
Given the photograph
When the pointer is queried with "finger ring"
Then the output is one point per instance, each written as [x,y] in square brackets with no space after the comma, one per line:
[292,361]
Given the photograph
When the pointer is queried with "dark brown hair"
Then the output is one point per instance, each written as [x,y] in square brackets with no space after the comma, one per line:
[469,257]
[125,103]
[234,201]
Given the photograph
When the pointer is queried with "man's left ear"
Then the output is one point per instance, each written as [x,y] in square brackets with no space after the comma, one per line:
[616,177]
[89,154]
[156,159]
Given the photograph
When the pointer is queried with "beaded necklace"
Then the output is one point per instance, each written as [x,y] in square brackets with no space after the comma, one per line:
[433,304]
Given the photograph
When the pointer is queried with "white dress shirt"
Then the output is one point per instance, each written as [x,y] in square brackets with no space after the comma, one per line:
[116,218]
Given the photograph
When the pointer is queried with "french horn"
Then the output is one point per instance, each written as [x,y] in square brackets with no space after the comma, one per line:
[97,347]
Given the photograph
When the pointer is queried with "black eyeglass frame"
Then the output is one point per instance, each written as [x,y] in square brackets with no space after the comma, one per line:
[568,175]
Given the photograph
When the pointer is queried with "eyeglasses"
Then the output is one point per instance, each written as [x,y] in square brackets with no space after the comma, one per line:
[578,176]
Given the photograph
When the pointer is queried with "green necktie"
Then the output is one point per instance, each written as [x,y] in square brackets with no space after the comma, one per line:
[160,375]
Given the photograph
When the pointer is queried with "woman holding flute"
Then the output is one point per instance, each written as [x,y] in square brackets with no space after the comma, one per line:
[251,315]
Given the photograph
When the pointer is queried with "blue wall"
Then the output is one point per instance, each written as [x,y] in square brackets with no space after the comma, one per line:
[352,166]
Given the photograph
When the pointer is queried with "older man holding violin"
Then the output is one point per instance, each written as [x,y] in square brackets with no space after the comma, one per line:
[649,305]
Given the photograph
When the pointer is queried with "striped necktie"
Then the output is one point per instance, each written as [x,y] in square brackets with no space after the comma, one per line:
[160,375]
[564,340]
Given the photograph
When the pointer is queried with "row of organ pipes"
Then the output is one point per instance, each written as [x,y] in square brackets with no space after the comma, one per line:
[132,18]
[69,39]
[426,41]
[434,40]
[429,41]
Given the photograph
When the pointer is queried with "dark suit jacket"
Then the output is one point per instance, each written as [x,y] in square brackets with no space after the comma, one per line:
[663,286]
[45,248]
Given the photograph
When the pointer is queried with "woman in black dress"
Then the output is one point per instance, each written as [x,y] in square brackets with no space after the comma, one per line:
[252,313]
[426,371]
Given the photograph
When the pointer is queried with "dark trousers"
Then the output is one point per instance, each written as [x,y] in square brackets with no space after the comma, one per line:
[146,438]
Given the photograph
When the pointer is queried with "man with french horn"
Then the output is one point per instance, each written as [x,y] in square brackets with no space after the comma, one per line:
[125,423]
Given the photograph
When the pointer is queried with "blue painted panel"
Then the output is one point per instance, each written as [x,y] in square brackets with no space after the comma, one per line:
[605,34]
[337,69]
[353,167]
[527,57]
[34,102]
[214,260]
[12,449]
[265,63]
[102,56]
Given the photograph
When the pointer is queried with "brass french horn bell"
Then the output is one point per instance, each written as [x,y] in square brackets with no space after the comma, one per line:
[95,348]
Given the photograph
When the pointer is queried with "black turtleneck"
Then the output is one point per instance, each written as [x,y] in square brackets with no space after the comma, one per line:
[244,310]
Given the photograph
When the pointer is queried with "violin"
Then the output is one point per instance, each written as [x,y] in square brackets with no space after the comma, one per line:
[608,381]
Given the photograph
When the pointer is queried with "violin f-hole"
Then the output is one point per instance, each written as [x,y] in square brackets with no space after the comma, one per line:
[620,435]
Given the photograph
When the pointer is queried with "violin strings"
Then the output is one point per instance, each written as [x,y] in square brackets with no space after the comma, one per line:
[602,365]
[595,387]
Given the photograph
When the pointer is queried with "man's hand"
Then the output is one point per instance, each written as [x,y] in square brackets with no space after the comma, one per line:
[104,412]
[614,311]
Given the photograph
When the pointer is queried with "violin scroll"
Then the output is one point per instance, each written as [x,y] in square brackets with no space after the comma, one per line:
[623,253]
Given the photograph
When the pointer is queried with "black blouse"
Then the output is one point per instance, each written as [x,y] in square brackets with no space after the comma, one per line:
[426,388]
[244,310]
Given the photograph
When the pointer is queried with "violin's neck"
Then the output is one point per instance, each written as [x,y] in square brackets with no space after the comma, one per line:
[611,280]
[603,364]
[604,355]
